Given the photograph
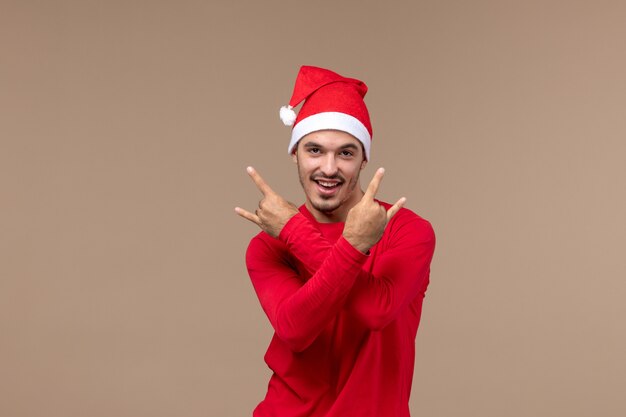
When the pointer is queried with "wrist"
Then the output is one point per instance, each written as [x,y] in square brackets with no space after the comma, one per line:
[357,244]
[294,223]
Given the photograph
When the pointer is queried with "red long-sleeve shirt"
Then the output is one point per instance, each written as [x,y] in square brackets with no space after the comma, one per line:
[345,322]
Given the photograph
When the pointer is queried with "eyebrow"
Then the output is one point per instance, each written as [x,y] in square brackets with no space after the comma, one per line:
[317,145]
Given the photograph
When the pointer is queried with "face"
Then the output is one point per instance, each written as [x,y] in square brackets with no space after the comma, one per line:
[329,163]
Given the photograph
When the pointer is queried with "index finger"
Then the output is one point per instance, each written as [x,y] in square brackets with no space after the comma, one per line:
[260,182]
[372,188]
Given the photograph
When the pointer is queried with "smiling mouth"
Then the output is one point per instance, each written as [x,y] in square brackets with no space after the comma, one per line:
[328,185]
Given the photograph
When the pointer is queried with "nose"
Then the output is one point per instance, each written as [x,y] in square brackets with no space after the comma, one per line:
[329,165]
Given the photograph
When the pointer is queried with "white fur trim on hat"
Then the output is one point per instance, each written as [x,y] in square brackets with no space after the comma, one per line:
[332,121]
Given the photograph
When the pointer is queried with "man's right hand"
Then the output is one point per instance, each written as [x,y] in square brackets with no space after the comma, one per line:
[366,221]
[273,212]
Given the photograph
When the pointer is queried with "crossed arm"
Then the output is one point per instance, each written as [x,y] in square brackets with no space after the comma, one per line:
[395,277]
[297,310]
[300,310]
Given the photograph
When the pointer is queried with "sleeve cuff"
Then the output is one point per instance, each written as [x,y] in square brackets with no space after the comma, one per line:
[291,225]
[350,251]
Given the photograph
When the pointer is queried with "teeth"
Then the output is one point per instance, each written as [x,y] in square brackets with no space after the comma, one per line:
[327,184]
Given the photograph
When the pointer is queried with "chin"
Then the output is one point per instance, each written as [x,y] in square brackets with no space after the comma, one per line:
[326,206]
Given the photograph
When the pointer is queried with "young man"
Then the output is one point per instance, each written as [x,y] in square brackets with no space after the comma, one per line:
[342,277]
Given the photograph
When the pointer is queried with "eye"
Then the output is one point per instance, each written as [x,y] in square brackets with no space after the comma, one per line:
[314,150]
[346,153]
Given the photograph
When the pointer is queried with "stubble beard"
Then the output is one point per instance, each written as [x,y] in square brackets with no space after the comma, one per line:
[325,204]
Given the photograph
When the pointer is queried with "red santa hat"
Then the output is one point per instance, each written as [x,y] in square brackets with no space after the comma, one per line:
[330,102]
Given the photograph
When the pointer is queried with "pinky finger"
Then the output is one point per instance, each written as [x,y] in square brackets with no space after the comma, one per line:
[247,215]
[395,208]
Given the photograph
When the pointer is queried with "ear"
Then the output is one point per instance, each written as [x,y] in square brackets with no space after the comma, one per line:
[294,156]
[363,163]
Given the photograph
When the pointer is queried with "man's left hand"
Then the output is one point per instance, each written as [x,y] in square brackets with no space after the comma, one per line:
[273,212]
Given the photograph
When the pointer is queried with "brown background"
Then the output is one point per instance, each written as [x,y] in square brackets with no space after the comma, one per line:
[125,131]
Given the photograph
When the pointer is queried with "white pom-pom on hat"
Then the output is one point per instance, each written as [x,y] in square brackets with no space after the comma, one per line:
[287,115]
